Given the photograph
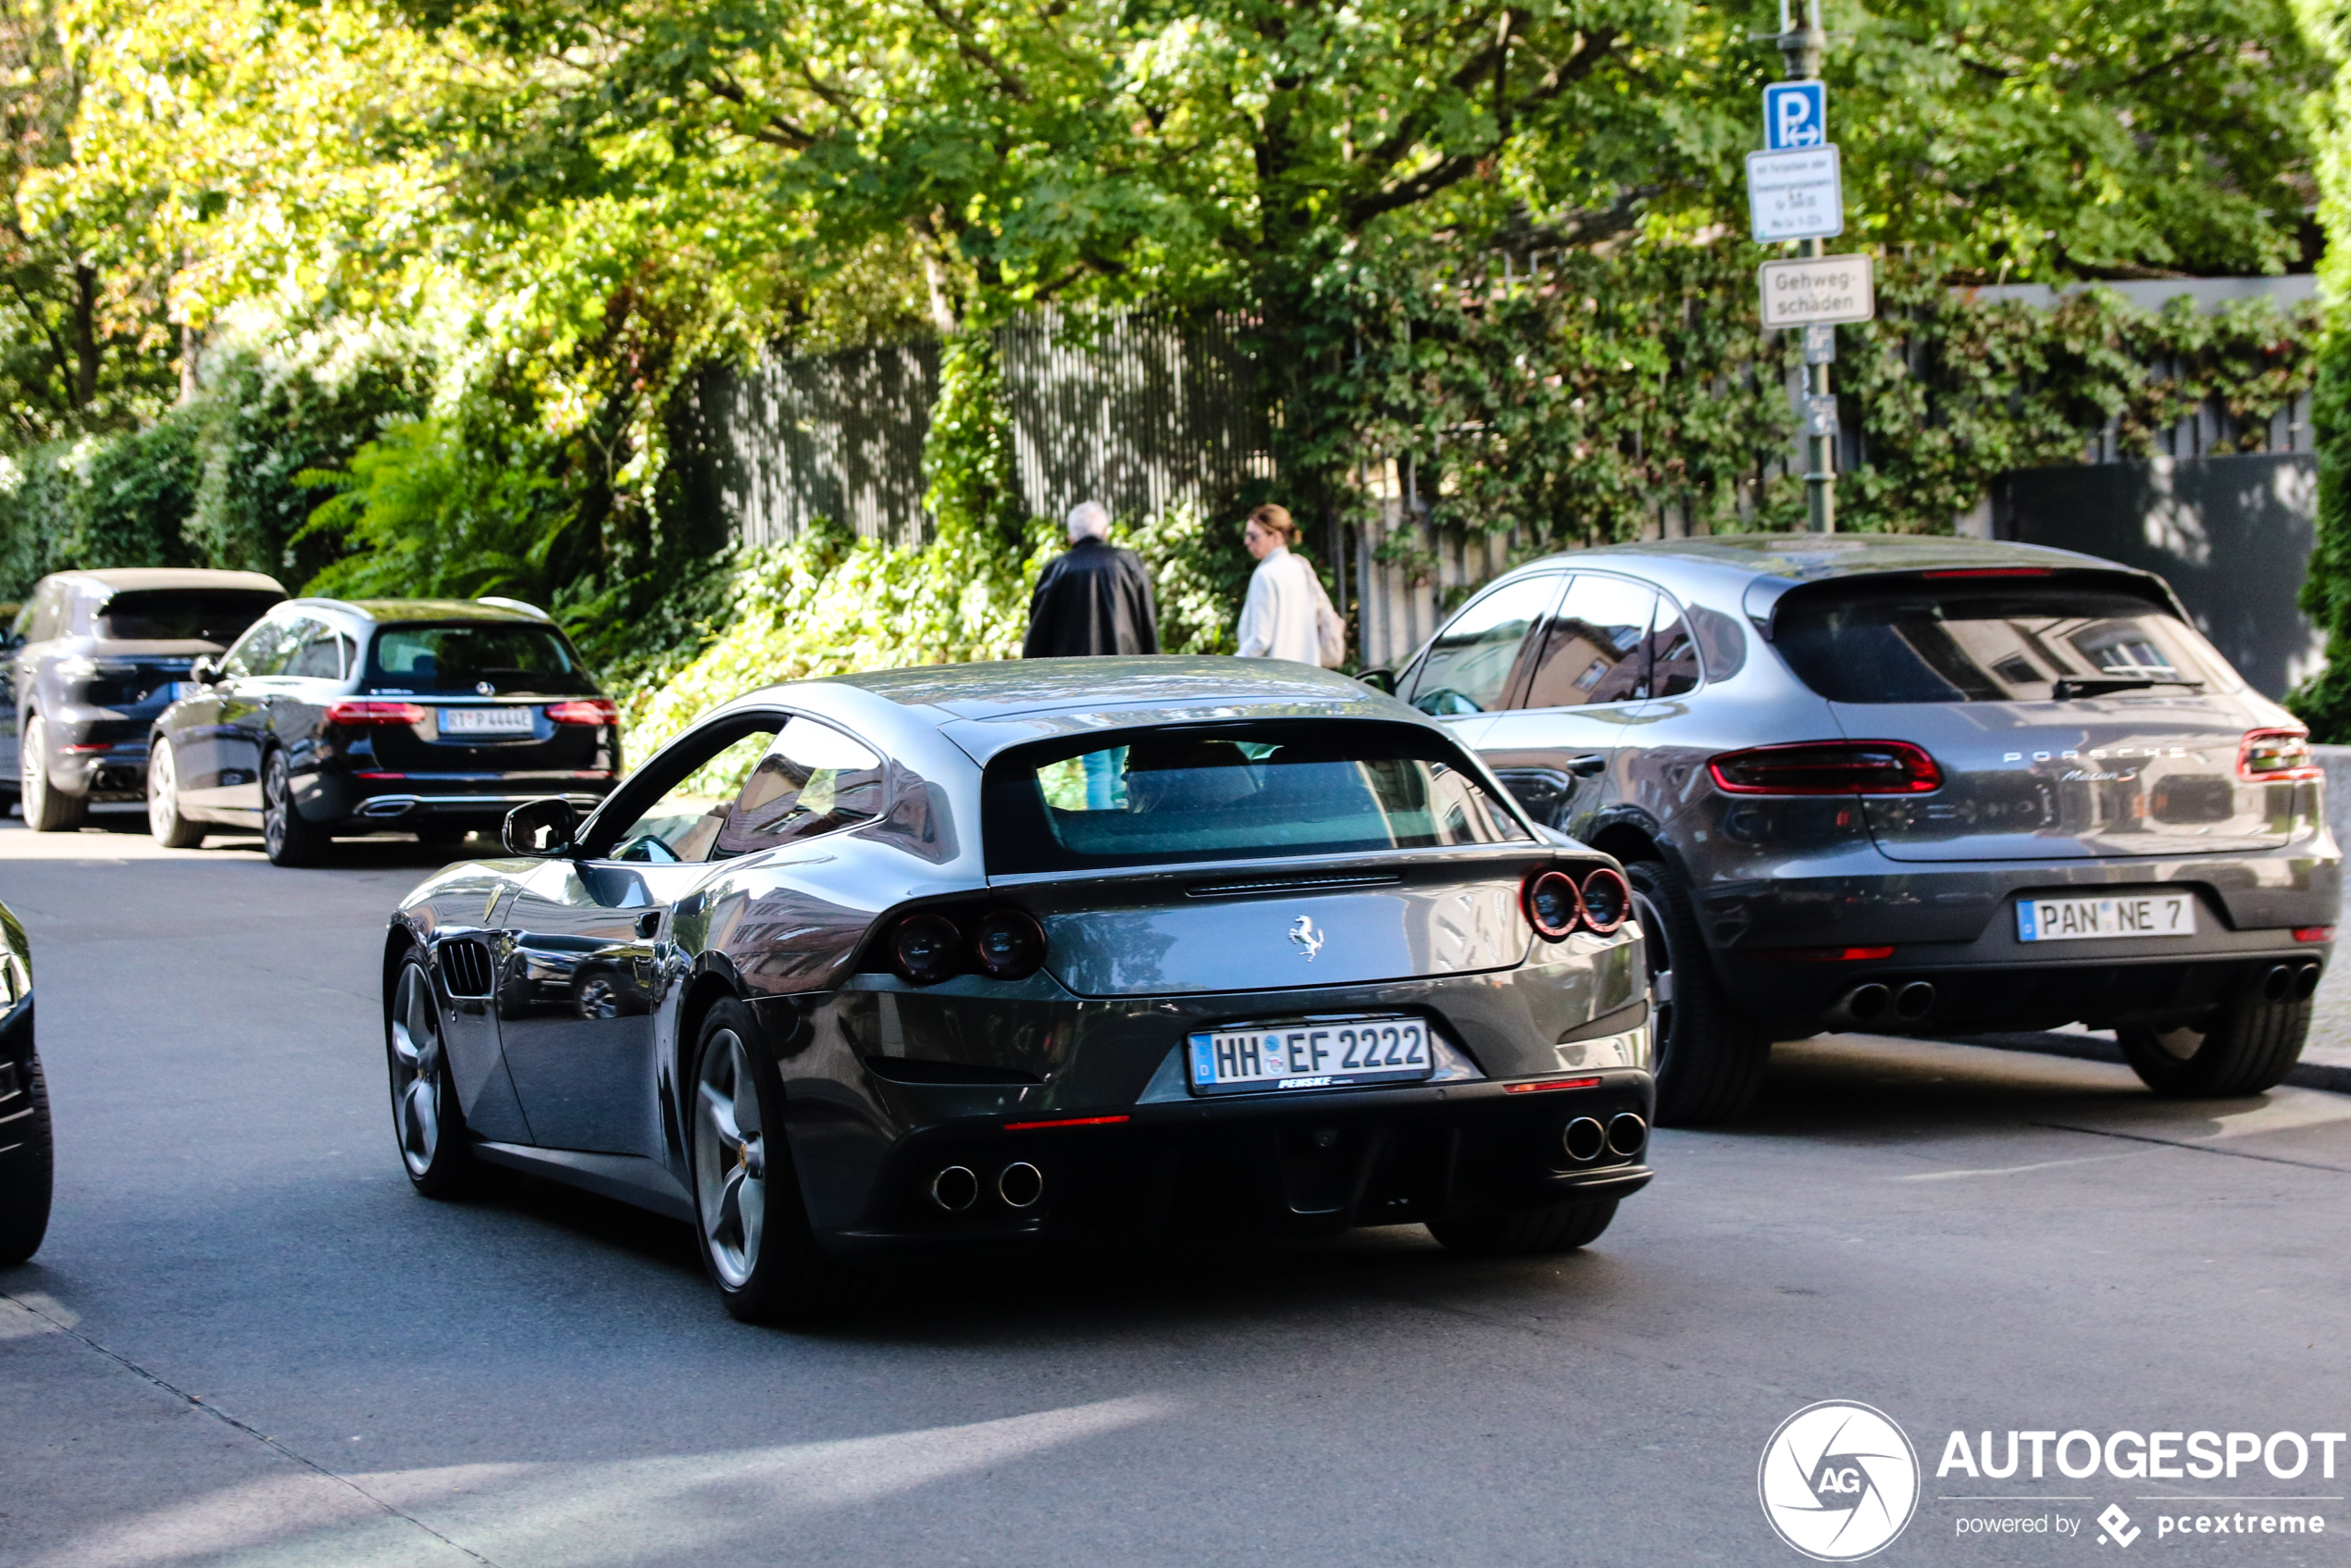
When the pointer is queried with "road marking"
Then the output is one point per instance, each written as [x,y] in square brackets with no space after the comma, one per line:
[2020,1170]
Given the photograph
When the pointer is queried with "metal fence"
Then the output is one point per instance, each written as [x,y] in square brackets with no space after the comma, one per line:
[1141,413]
[1145,412]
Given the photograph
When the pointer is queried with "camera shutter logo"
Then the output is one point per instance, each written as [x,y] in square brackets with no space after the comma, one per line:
[1839,1481]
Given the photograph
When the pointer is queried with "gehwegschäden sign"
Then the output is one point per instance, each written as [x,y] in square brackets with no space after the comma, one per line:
[1817,290]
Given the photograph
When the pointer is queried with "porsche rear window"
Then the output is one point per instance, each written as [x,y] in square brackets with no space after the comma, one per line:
[1991,641]
[183,615]
[1232,792]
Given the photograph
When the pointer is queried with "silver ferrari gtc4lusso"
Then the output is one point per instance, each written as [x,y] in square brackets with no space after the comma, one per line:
[979,959]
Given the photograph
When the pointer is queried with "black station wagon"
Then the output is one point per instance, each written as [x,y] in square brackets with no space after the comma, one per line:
[332,717]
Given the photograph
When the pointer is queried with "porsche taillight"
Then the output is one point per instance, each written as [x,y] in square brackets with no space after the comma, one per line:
[1828,767]
[2276,756]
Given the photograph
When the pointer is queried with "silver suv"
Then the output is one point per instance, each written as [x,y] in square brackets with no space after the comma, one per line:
[1929,786]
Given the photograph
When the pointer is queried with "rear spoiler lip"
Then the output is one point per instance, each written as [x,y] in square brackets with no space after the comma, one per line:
[1272,868]
[1764,596]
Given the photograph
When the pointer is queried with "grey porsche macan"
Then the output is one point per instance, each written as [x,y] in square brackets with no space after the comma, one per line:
[1924,786]
[988,958]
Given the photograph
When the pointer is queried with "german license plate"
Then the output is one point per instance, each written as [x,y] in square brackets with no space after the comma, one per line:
[2124,915]
[1310,1053]
[485,721]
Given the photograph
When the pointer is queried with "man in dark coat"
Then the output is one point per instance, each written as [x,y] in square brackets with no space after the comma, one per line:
[1095,599]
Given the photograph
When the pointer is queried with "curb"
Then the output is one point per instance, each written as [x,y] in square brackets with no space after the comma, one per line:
[2097,1048]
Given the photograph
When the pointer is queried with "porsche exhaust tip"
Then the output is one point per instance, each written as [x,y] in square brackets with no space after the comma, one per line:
[1867,1004]
[2306,982]
[1626,1134]
[1914,1001]
[1020,1184]
[2278,984]
[1582,1139]
[954,1188]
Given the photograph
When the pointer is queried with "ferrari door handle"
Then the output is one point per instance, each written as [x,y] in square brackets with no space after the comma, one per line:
[1588,766]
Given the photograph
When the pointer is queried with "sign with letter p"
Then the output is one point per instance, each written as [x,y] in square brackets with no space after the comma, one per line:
[1795,114]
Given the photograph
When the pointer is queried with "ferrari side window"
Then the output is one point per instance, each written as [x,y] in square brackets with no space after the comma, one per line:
[683,823]
[812,779]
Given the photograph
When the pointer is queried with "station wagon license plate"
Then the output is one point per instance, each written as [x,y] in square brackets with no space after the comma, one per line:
[2128,915]
[485,721]
[1306,1053]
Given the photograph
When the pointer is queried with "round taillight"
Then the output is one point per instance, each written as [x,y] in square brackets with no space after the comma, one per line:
[1553,906]
[923,948]
[1608,899]
[1008,945]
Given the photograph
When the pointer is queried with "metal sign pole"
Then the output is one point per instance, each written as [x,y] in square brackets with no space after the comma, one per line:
[1803,48]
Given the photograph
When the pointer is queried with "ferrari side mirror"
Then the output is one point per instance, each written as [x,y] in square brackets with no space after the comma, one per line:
[541,828]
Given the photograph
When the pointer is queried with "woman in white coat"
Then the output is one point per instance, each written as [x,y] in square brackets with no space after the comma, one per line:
[1287,614]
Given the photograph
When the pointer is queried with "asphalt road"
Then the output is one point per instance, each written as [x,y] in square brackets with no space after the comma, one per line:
[248,1342]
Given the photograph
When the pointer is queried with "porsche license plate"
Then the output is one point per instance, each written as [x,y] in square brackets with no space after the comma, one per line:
[2126,915]
[1306,1053]
[485,721]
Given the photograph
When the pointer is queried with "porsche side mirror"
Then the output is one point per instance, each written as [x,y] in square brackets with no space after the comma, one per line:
[204,670]
[541,828]
[1378,679]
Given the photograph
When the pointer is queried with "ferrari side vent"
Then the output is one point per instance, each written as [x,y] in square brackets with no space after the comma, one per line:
[1289,885]
[465,968]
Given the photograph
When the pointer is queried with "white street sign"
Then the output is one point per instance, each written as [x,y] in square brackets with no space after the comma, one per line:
[1816,290]
[1798,195]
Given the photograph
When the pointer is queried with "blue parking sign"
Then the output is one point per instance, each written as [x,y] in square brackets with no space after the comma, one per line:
[1795,114]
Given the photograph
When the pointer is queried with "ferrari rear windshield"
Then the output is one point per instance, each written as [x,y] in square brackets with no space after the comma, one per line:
[465,657]
[1991,640]
[1232,792]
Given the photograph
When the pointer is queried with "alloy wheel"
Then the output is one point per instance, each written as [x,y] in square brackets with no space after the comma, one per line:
[1656,956]
[163,791]
[419,1073]
[275,803]
[32,773]
[730,1158]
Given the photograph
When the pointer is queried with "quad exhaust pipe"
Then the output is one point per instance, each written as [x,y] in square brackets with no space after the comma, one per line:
[1875,1002]
[2299,982]
[1585,1139]
[1018,1185]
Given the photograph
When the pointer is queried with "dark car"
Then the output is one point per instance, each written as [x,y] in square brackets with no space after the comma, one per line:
[25,1154]
[98,655]
[354,716]
[1932,785]
[989,958]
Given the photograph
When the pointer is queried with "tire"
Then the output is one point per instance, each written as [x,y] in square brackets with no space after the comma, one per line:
[754,1227]
[289,836]
[436,1147]
[2249,1047]
[170,829]
[1709,1059]
[26,1177]
[1562,1228]
[47,809]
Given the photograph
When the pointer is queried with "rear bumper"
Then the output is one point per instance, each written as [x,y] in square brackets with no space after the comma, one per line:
[1953,926]
[119,773]
[388,810]
[1290,1163]
[350,802]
